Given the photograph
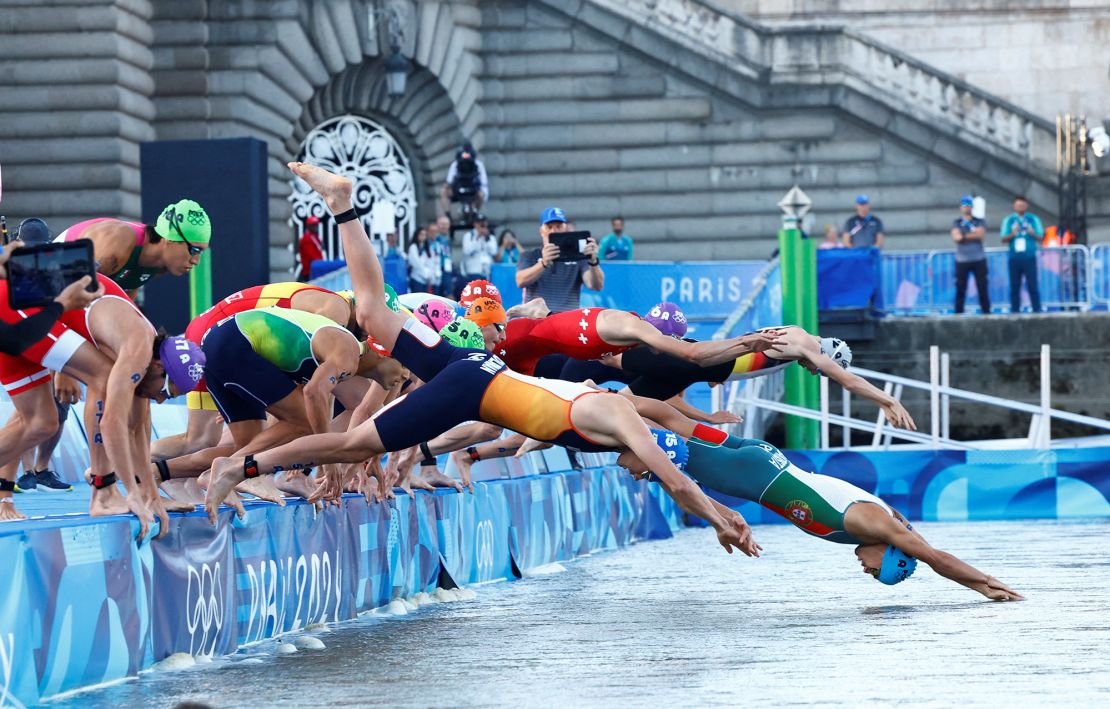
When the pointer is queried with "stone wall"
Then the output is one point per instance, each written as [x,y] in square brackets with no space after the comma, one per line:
[1047,56]
[999,356]
[76,90]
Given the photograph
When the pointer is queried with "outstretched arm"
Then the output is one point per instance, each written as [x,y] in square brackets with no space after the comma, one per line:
[895,413]
[627,329]
[871,522]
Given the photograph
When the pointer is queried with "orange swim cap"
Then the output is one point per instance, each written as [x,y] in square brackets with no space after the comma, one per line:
[486,311]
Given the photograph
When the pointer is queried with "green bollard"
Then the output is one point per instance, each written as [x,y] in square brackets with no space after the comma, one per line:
[798,265]
[200,285]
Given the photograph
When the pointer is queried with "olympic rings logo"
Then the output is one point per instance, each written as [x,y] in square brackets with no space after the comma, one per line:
[483,542]
[204,594]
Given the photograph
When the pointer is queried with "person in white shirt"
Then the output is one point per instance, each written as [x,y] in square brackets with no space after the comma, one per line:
[479,249]
[423,264]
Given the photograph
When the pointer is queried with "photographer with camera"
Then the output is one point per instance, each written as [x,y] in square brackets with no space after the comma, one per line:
[1022,231]
[559,283]
[17,336]
[466,181]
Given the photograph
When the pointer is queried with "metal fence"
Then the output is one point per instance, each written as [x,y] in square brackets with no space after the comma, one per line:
[924,282]
[1100,274]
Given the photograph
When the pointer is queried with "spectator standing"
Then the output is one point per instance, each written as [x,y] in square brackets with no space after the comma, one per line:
[968,232]
[864,230]
[479,248]
[508,248]
[616,246]
[832,238]
[559,283]
[1022,231]
[310,247]
[423,264]
[441,240]
[393,247]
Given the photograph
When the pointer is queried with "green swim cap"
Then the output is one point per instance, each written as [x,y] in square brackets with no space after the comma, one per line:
[391,299]
[463,333]
[184,220]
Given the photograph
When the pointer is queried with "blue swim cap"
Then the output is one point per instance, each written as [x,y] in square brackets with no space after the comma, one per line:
[673,445]
[897,566]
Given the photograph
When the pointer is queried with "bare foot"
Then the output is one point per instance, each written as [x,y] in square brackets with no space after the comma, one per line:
[335,190]
[432,475]
[463,463]
[529,445]
[183,491]
[109,501]
[297,484]
[236,502]
[226,473]
[173,505]
[158,509]
[264,488]
[535,308]
[8,512]
[413,480]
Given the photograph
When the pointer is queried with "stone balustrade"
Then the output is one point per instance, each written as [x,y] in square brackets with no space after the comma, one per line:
[815,54]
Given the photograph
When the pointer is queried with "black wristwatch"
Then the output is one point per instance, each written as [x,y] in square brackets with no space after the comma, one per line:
[593,263]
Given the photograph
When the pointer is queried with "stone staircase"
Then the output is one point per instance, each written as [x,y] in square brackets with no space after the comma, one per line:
[692,123]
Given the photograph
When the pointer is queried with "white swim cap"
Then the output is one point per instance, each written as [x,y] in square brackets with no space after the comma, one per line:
[837,350]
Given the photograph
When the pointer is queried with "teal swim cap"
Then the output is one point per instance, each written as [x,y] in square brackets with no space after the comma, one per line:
[897,566]
[463,333]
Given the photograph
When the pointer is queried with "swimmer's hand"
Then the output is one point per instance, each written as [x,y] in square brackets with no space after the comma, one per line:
[897,415]
[998,591]
[747,544]
[763,340]
[723,417]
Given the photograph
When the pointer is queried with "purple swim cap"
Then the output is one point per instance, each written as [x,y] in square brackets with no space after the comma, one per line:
[183,361]
[668,319]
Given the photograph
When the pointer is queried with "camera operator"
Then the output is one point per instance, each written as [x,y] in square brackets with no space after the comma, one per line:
[559,283]
[479,248]
[15,337]
[466,181]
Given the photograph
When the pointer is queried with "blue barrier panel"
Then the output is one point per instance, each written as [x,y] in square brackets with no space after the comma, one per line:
[966,485]
[86,605]
[704,290]
[848,278]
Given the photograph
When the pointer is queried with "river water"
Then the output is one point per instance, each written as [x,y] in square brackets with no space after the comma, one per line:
[681,623]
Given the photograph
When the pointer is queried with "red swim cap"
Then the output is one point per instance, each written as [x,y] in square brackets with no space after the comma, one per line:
[478,289]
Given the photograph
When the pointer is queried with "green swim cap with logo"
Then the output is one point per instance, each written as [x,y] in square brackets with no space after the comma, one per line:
[463,333]
[184,220]
[391,299]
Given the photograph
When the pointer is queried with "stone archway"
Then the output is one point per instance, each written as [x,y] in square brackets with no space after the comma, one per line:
[422,126]
[358,148]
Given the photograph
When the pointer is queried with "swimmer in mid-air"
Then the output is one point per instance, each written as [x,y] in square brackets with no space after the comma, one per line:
[888,547]
[461,384]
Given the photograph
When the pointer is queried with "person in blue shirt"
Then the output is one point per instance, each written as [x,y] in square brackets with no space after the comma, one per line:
[1022,230]
[616,246]
[864,230]
[508,248]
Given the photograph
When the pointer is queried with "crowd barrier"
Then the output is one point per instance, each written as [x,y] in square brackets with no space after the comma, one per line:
[1100,274]
[924,282]
[84,604]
